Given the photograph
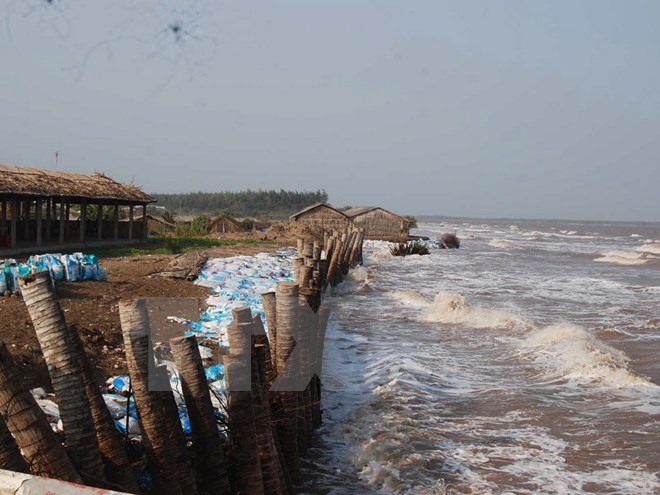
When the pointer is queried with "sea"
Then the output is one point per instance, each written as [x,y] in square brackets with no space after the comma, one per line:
[525,362]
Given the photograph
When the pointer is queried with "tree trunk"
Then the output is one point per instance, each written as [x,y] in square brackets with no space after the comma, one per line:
[134,319]
[28,425]
[209,446]
[287,315]
[65,374]
[118,467]
[10,455]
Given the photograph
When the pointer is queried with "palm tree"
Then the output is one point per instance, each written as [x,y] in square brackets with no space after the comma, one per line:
[65,374]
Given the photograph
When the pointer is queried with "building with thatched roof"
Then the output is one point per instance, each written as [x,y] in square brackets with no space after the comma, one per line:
[226,224]
[379,223]
[156,225]
[37,208]
[322,215]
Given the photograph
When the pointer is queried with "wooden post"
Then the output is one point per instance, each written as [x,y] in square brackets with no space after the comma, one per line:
[3,218]
[206,440]
[65,374]
[49,202]
[37,216]
[112,449]
[287,318]
[130,222]
[14,215]
[145,227]
[99,223]
[115,220]
[28,425]
[241,407]
[67,215]
[83,219]
[269,302]
[10,454]
[62,222]
[269,460]
[134,318]
[27,206]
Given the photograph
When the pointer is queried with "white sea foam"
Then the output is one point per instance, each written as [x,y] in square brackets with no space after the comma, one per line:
[649,247]
[498,242]
[451,307]
[626,257]
[569,352]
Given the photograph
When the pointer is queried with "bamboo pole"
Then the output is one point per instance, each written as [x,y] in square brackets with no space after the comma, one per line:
[65,374]
[28,425]
[134,319]
[207,442]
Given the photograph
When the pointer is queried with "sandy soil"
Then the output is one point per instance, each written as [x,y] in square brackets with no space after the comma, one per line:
[92,307]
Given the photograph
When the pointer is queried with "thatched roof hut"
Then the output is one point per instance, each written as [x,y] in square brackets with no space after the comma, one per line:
[322,215]
[379,223]
[156,224]
[226,224]
[37,208]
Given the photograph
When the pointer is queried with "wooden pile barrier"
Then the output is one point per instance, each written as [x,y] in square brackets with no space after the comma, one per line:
[273,392]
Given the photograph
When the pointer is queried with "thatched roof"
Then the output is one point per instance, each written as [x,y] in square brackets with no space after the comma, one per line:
[226,223]
[314,207]
[361,210]
[49,183]
[151,218]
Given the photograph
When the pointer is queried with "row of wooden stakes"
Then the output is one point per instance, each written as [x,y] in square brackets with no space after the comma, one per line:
[266,431]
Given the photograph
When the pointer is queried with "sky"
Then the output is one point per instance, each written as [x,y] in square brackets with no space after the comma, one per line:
[519,109]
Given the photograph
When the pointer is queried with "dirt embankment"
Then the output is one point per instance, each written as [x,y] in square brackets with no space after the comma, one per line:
[92,307]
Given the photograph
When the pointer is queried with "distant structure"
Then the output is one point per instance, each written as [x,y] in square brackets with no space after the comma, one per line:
[322,215]
[379,223]
[226,224]
[38,207]
[157,225]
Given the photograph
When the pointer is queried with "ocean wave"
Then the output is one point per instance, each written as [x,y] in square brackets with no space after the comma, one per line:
[652,247]
[451,307]
[498,242]
[626,257]
[571,353]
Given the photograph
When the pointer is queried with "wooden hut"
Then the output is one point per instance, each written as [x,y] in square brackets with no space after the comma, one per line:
[156,225]
[226,224]
[379,223]
[37,206]
[322,215]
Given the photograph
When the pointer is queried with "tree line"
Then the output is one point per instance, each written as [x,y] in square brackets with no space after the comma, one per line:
[269,204]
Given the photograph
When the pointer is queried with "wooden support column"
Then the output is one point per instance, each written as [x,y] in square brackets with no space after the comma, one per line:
[83,219]
[62,225]
[14,216]
[49,217]
[144,222]
[3,218]
[37,217]
[99,223]
[116,222]
[26,218]
[66,219]
[130,222]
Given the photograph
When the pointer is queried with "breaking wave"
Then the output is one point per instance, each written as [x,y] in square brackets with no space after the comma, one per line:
[652,247]
[572,354]
[626,257]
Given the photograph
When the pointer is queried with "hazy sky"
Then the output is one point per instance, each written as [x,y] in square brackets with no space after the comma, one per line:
[472,108]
